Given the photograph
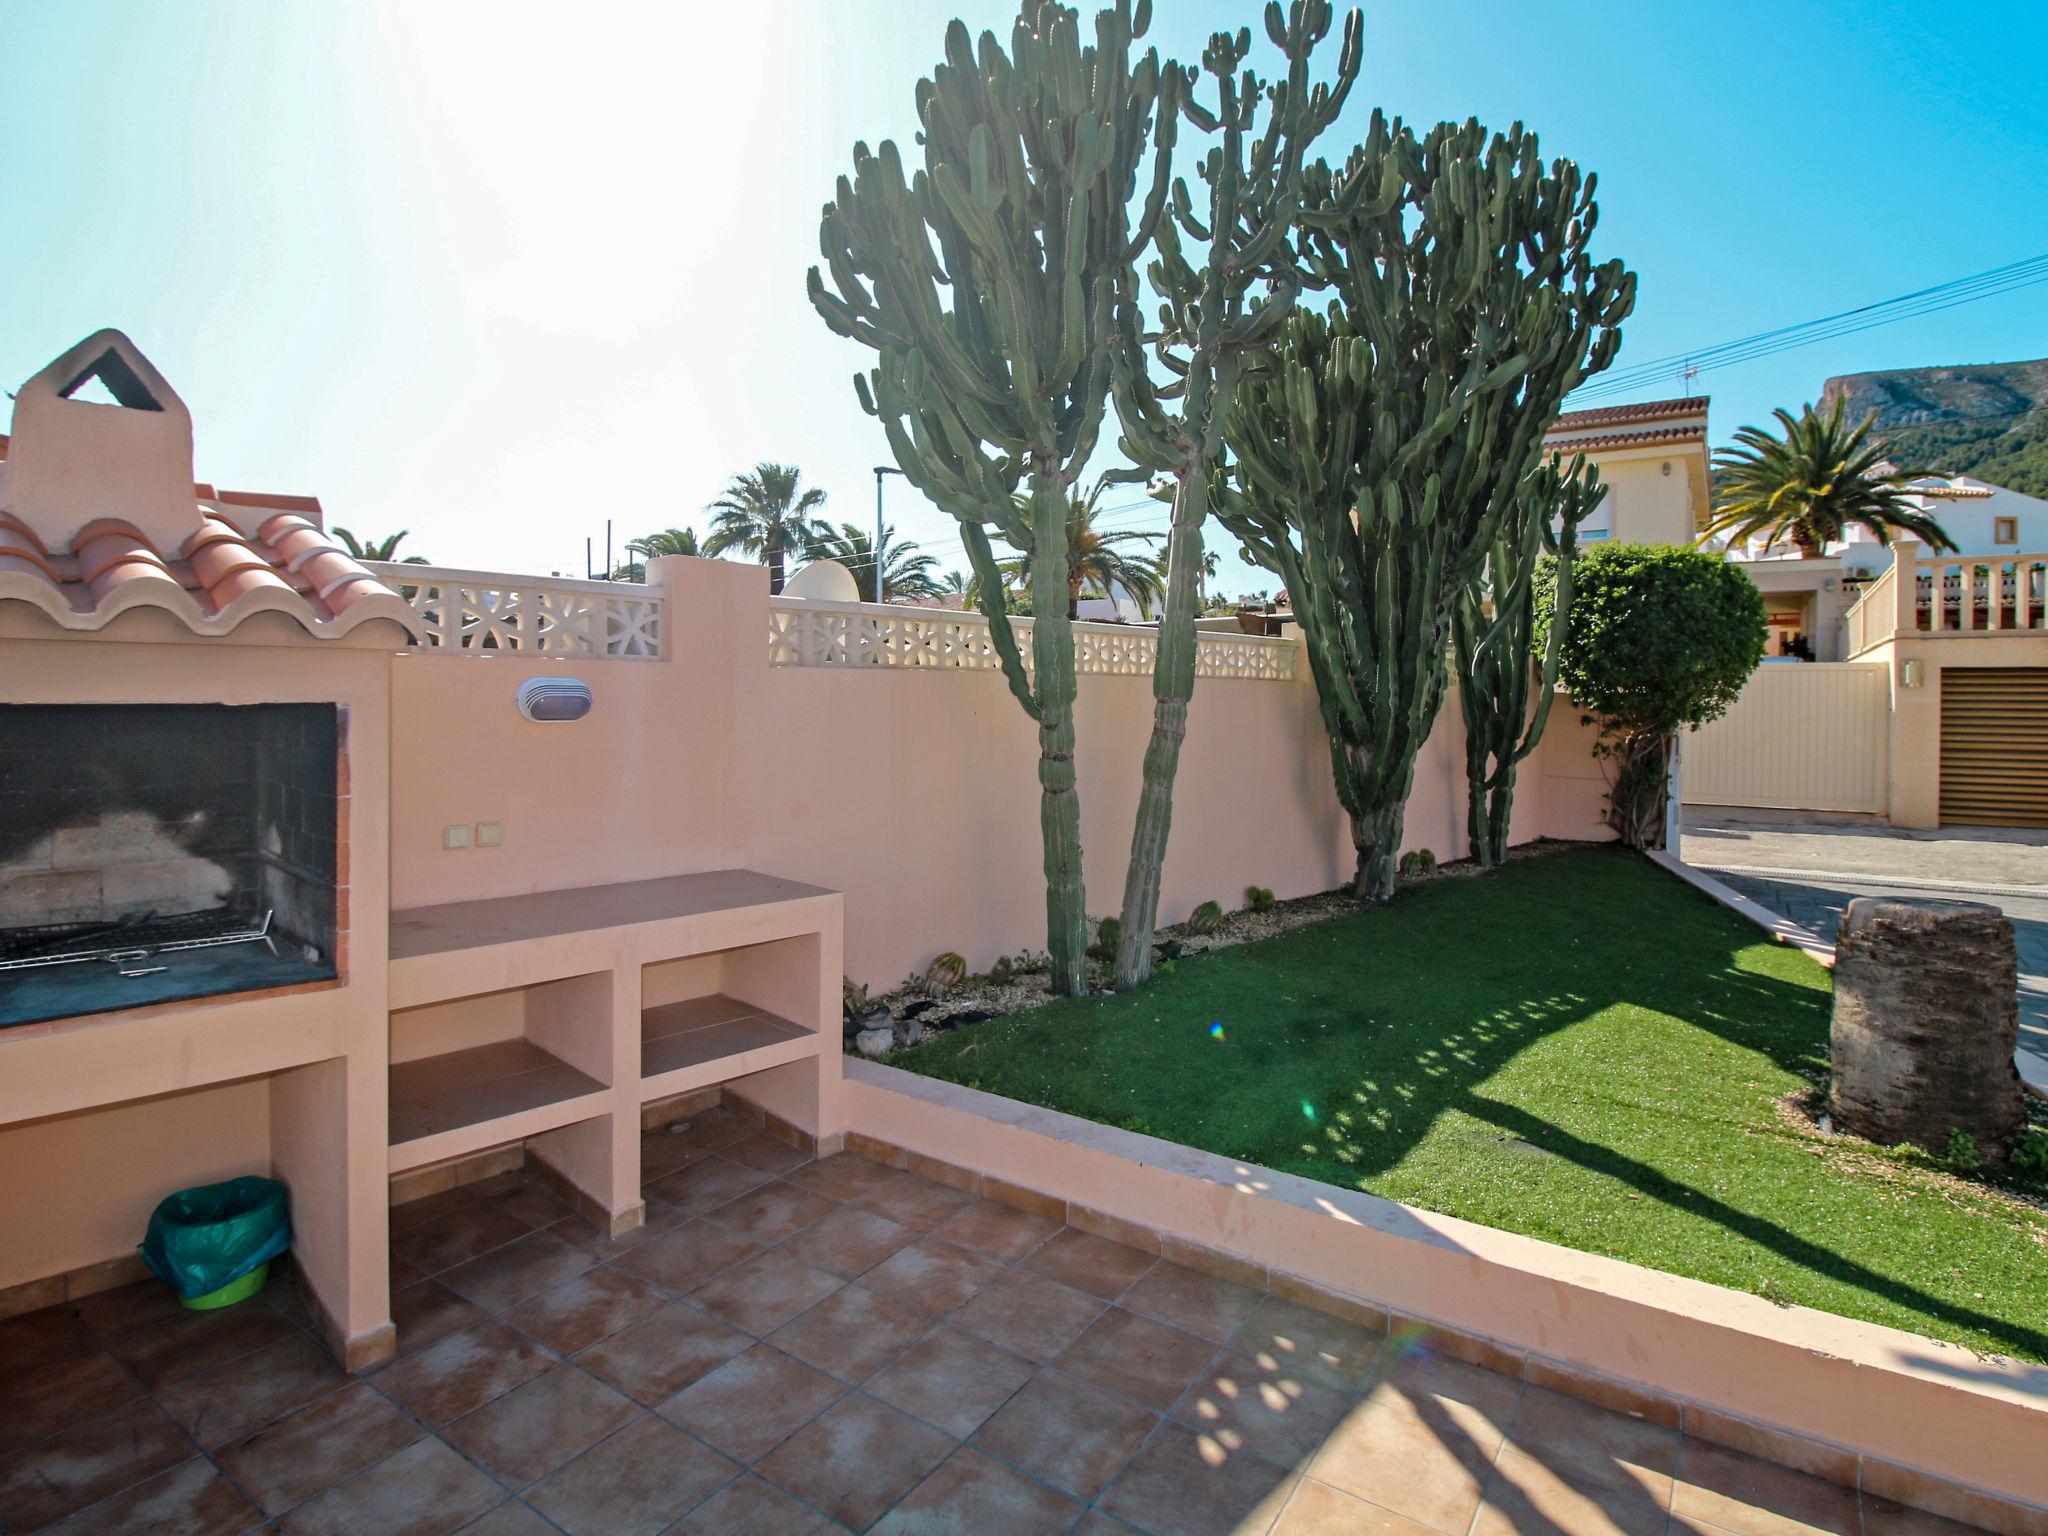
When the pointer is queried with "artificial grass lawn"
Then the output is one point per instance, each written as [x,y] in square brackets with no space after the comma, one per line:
[1578,1047]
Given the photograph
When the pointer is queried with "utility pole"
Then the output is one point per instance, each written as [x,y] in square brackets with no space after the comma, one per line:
[880,470]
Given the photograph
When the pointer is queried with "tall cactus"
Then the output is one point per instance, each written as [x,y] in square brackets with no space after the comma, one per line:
[988,284]
[1492,629]
[1378,464]
[1219,315]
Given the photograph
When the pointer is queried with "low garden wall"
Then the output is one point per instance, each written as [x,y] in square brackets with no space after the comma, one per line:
[911,789]
[1905,1418]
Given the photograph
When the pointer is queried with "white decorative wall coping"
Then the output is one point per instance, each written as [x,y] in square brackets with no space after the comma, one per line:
[551,615]
[806,633]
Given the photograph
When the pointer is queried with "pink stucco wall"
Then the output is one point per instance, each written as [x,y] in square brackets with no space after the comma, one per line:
[914,792]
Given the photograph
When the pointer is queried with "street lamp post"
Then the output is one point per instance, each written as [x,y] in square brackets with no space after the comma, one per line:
[880,470]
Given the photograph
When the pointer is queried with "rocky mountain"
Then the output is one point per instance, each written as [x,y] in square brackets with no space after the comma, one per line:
[1988,419]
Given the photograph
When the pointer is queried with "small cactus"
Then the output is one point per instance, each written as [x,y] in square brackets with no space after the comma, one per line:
[947,970]
[1259,898]
[1204,919]
[999,974]
[1425,861]
[1108,932]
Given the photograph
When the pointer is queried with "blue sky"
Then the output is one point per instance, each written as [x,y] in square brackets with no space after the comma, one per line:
[497,273]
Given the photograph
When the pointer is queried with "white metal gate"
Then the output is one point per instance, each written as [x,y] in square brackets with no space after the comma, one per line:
[1804,736]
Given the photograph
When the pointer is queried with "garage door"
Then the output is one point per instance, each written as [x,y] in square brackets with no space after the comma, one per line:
[1994,747]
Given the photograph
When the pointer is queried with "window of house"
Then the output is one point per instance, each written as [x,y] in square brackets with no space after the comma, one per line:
[2005,530]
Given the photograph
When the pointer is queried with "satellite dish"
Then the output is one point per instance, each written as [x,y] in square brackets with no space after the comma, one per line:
[824,581]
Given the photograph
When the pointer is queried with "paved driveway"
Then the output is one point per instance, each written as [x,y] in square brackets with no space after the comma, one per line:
[1810,873]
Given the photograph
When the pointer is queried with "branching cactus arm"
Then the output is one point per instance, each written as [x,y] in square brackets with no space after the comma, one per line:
[988,283]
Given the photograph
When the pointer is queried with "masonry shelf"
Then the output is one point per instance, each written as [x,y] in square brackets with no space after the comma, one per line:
[464,1101]
[698,1041]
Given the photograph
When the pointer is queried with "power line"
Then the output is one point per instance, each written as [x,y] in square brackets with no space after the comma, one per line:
[1991,283]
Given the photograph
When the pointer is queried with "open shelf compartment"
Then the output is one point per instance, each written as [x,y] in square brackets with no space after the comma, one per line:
[478,1072]
[708,1018]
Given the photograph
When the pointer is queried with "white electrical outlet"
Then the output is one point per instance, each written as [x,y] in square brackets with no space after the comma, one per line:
[489,834]
[455,837]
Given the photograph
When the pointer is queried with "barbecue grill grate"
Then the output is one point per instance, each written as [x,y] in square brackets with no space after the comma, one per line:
[133,937]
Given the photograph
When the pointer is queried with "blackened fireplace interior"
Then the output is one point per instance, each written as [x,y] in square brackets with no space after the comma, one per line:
[152,852]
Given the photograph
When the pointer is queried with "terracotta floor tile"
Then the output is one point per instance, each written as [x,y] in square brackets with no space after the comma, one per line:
[770,1212]
[189,1500]
[750,1507]
[125,1308]
[914,1200]
[535,1428]
[1757,1498]
[713,1129]
[971,1493]
[769,1153]
[706,1184]
[951,1380]
[1185,1485]
[1421,1375]
[768,1290]
[464,1371]
[428,1209]
[38,1339]
[846,1176]
[86,1463]
[850,1241]
[232,1400]
[753,1402]
[1138,1358]
[511,1518]
[1427,1458]
[424,1490]
[1090,1263]
[663,1353]
[533,1203]
[293,1459]
[634,1484]
[1882,1517]
[1320,1510]
[506,1276]
[1594,1445]
[931,1276]
[1196,1303]
[684,1257]
[427,1312]
[465,1233]
[851,1333]
[1067,1433]
[577,1313]
[662,1154]
[1244,1405]
[1315,1344]
[1028,1313]
[661,1216]
[1001,1231]
[856,1459]
[1528,1495]
[51,1399]
[197,1341]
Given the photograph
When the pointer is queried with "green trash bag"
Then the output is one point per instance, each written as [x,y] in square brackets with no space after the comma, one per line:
[202,1239]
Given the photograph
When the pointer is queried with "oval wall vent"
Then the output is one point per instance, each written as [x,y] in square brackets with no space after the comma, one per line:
[554,700]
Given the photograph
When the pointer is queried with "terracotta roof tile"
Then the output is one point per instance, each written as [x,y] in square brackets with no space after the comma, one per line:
[1632,439]
[219,577]
[1640,410]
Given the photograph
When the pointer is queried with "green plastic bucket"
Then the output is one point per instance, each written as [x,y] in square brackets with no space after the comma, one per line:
[232,1292]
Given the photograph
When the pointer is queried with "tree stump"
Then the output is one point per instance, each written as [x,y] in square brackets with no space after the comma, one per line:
[1926,1019]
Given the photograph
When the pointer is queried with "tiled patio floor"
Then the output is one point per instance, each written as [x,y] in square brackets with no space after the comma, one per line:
[797,1346]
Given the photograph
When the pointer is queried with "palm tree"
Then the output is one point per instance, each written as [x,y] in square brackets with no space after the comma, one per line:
[384,549]
[766,514]
[1096,562]
[906,570]
[670,541]
[1807,487]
